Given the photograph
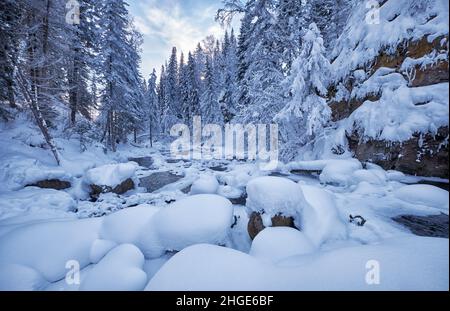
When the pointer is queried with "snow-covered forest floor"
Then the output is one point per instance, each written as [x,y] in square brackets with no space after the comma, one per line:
[185,224]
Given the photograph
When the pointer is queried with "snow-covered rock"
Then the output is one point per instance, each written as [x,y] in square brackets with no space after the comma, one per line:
[126,225]
[372,176]
[425,195]
[275,196]
[119,270]
[340,172]
[321,221]
[203,218]
[111,175]
[206,184]
[276,243]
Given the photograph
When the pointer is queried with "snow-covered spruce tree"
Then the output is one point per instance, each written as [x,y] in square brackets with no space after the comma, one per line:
[288,30]
[122,94]
[210,109]
[199,57]
[172,97]
[306,112]
[161,93]
[82,60]
[193,100]
[10,36]
[324,15]
[264,72]
[183,78]
[228,91]
[151,104]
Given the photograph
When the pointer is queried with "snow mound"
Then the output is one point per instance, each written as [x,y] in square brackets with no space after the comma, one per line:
[99,249]
[210,267]
[120,270]
[275,195]
[213,268]
[372,176]
[276,243]
[425,195]
[340,172]
[321,221]
[111,175]
[203,218]
[125,226]
[14,277]
[206,184]
[35,200]
[47,247]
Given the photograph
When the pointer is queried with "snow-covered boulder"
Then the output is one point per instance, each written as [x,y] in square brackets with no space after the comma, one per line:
[275,196]
[321,221]
[120,270]
[126,225]
[17,172]
[340,172]
[372,176]
[203,218]
[212,268]
[115,178]
[425,195]
[206,184]
[274,244]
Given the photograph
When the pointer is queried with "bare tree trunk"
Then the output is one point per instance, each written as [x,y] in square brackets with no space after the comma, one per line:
[135,136]
[34,107]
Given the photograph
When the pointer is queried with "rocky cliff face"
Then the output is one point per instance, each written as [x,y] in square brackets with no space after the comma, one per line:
[398,85]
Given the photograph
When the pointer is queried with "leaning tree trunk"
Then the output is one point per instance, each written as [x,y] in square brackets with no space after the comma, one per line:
[34,107]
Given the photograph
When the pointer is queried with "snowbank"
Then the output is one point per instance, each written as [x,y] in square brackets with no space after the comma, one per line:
[206,184]
[35,200]
[425,195]
[213,268]
[120,270]
[275,195]
[47,247]
[203,218]
[111,175]
[276,243]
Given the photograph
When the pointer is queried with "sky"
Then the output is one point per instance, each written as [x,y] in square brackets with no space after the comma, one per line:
[168,23]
